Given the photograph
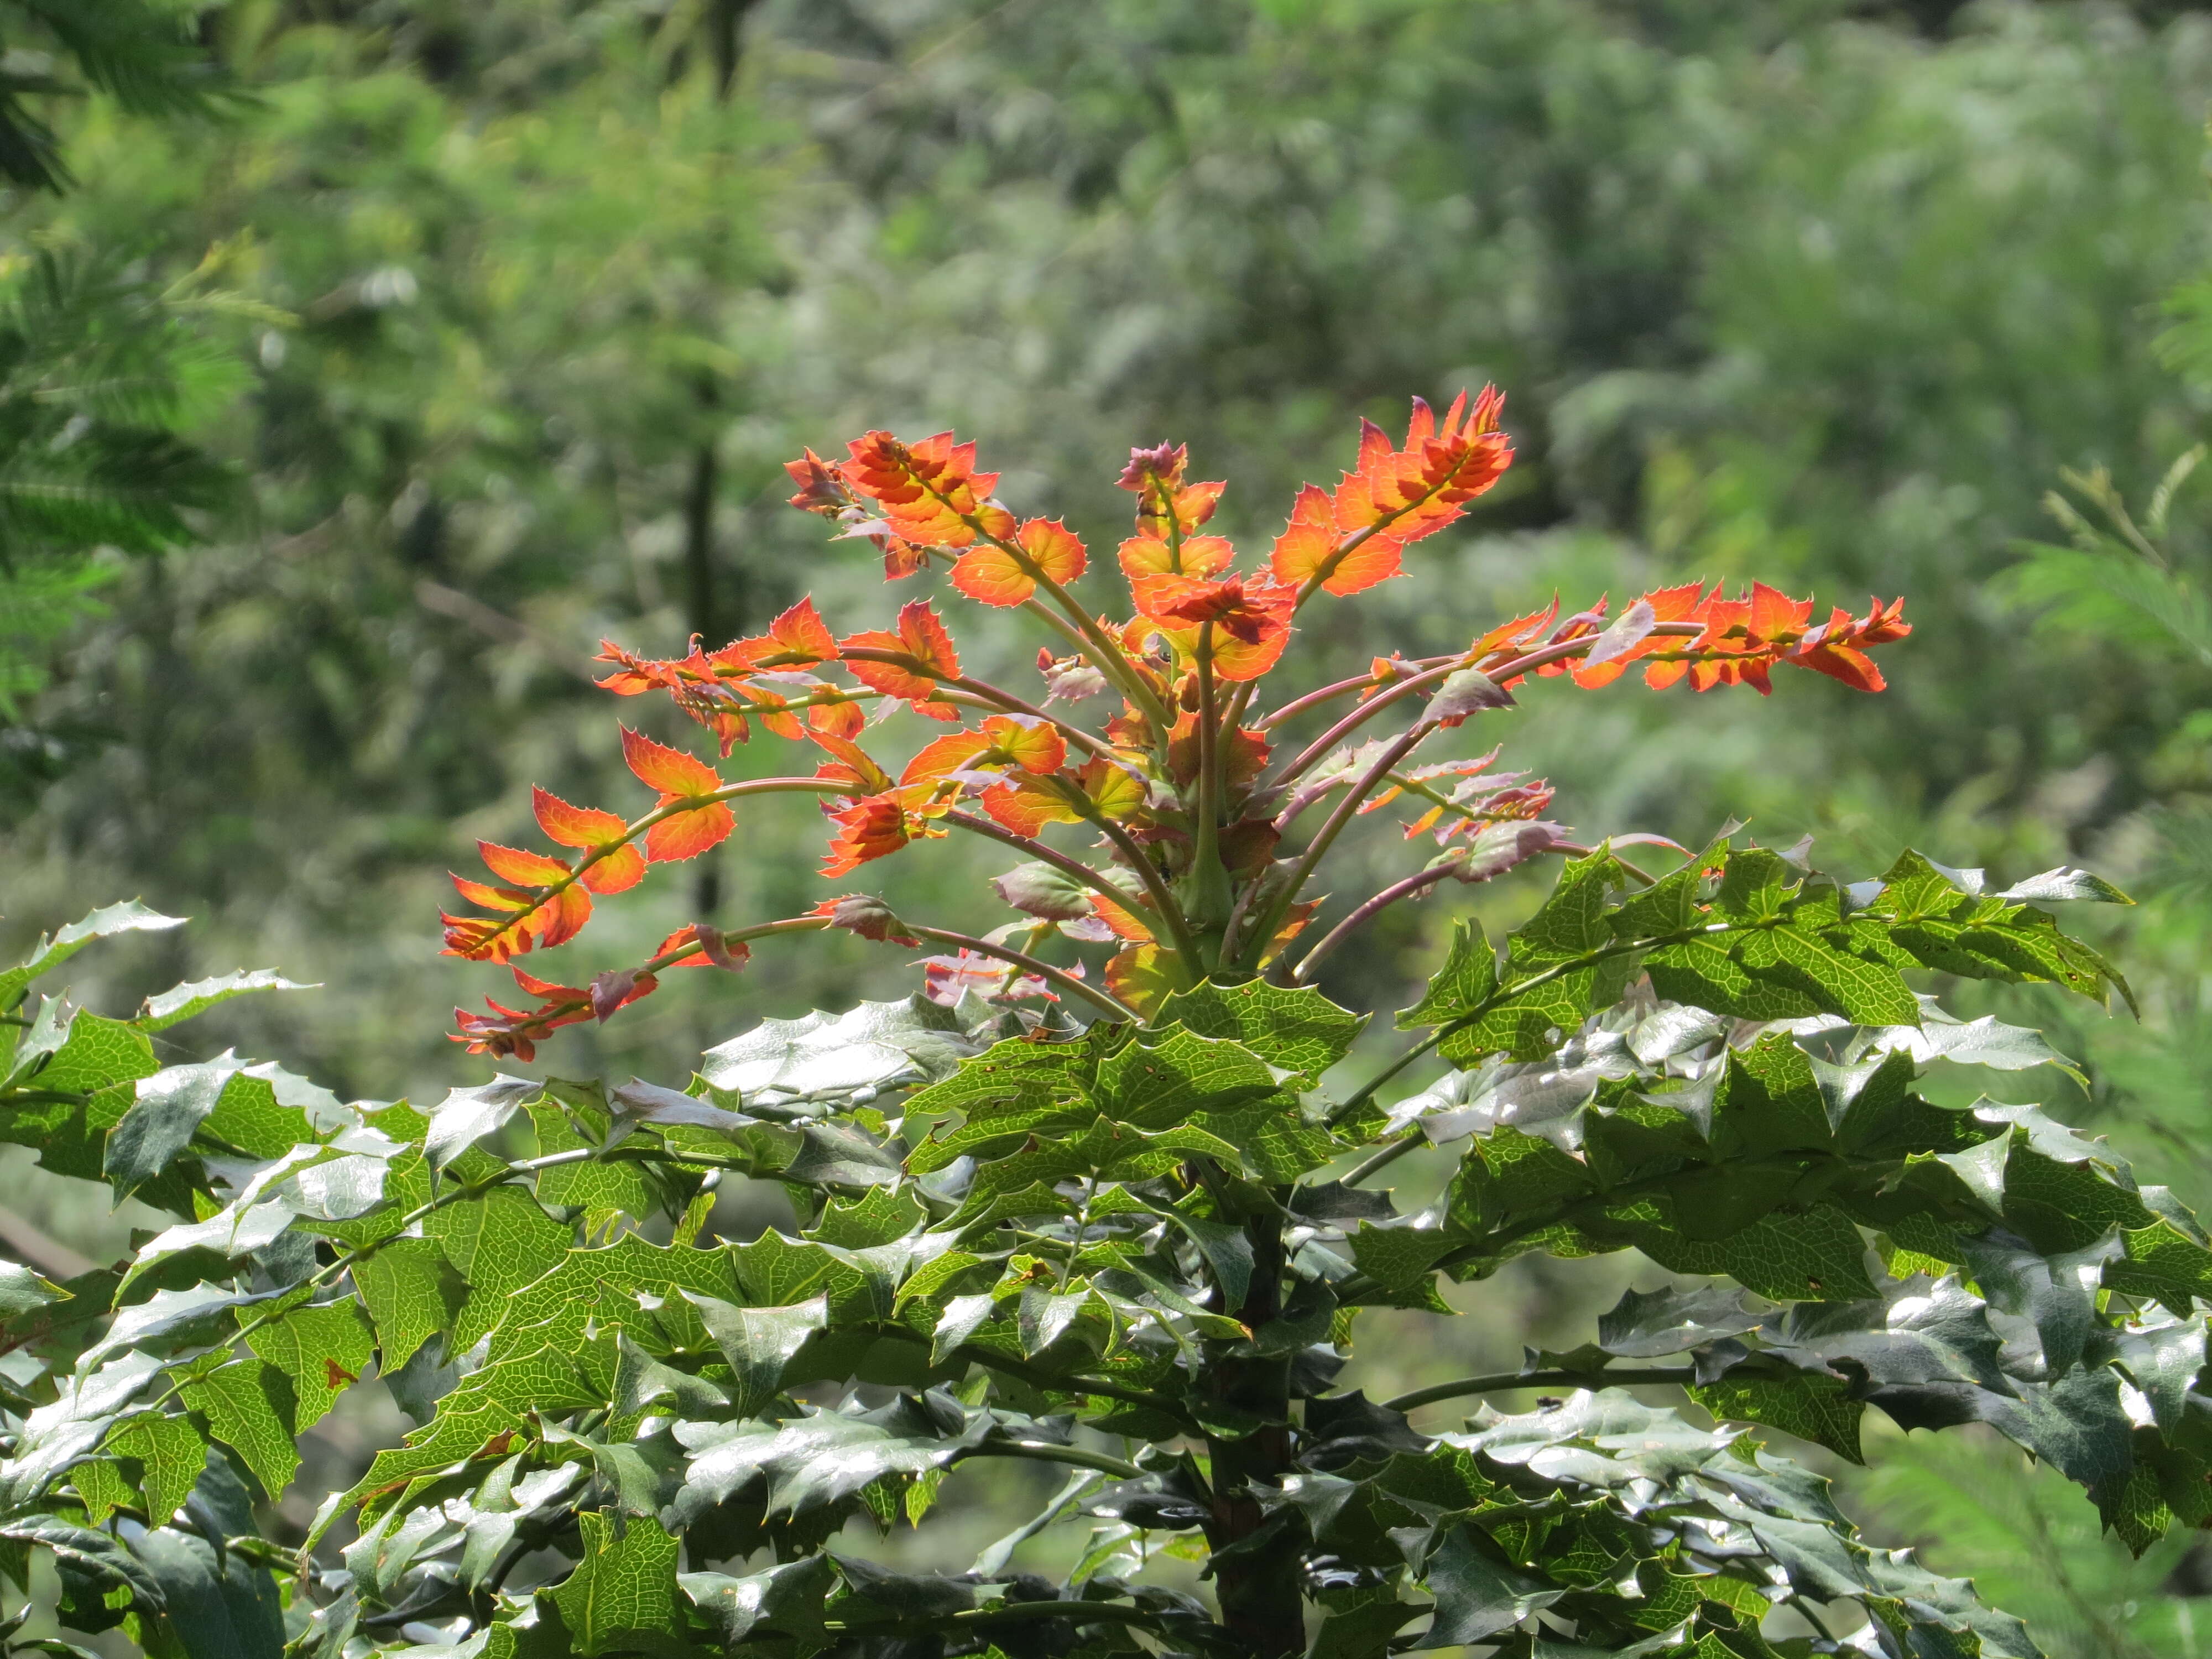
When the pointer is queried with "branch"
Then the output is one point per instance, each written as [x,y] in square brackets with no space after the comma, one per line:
[473,613]
[1409,1141]
[1505,673]
[1347,809]
[1030,848]
[1388,895]
[1156,888]
[1048,1451]
[34,1249]
[1104,1001]
[1500,1381]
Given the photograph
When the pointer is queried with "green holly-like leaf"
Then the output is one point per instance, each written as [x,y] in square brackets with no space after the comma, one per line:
[168,1110]
[784,1601]
[2164,1263]
[324,1349]
[22,1291]
[496,1243]
[407,1287]
[53,949]
[1296,1029]
[1157,1085]
[172,1454]
[759,1342]
[189,1001]
[248,1405]
[1811,1406]
[622,1593]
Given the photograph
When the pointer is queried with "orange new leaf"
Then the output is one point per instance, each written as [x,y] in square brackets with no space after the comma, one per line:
[1201,556]
[670,772]
[617,870]
[1250,614]
[799,638]
[928,491]
[1345,541]
[871,827]
[524,869]
[920,654]
[1049,549]
[685,782]
[1026,806]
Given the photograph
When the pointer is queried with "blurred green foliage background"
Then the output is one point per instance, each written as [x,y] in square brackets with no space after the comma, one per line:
[435,339]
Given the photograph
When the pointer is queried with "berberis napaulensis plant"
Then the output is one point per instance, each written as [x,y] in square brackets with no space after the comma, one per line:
[1123,1216]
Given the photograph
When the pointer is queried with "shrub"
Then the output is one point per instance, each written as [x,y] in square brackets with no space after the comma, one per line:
[1123,1222]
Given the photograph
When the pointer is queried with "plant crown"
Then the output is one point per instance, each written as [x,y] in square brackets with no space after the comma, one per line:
[1121,1221]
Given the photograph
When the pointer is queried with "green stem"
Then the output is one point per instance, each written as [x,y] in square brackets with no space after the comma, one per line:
[1500,1381]
[1046,1451]
[1156,889]
[1410,1141]
[1366,1091]
[1209,881]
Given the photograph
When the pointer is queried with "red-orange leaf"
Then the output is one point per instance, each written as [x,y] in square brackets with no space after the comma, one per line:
[574,826]
[1394,497]
[1200,555]
[1033,745]
[523,869]
[1026,806]
[993,575]
[688,833]
[511,900]
[867,829]
[562,917]
[852,764]
[1250,617]
[677,775]
[617,873]
[799,638]
[938,759]
[928,491]
[1047,547]
[841,718]
[921,653]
